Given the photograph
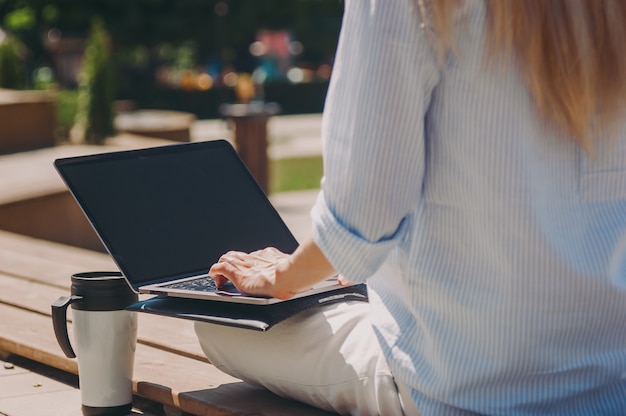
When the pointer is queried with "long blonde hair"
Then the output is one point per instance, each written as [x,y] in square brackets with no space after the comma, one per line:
[572,55]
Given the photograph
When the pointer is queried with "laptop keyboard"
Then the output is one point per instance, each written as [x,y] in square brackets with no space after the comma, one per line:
[202,284]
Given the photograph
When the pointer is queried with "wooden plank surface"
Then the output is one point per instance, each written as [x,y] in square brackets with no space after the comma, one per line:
[36,272]
[169,366]
[162,376]
[162,332]
[47,262]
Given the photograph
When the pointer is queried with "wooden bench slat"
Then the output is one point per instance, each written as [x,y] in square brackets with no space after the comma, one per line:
[33,280]
[47,262]
[162,376]
[13,242]
[162,332]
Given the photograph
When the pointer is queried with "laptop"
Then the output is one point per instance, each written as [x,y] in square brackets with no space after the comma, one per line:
[166,214]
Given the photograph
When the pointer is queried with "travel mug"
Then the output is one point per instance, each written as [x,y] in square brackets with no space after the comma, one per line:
[105,336]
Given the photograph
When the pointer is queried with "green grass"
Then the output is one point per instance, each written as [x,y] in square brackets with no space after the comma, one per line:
[295,174]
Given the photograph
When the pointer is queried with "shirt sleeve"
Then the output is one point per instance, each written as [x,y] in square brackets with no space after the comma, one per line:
[373,134]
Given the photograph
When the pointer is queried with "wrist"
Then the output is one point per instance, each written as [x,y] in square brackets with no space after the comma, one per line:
[301,270]
[285,283]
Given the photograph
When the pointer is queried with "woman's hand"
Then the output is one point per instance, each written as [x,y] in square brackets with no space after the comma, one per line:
[254,273]
[270,272]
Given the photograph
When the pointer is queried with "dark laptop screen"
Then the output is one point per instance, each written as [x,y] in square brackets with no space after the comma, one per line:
[172,211]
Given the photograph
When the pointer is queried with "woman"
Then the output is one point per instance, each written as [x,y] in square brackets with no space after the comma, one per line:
[475,178]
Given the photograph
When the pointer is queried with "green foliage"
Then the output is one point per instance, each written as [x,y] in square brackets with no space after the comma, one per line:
[293,174]
[151,23]
[22,19]
[94,117]
[12,70]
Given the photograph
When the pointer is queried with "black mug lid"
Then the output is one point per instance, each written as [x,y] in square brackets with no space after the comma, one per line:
[102,291]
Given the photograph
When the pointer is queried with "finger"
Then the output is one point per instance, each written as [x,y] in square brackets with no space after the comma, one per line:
[267,253]
[232,256]
[220,280]
[215,273]
[237,259]
[343,281]
[222,272]
[273,251]
[260,260]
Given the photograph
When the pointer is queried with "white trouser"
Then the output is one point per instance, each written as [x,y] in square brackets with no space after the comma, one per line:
[328,357]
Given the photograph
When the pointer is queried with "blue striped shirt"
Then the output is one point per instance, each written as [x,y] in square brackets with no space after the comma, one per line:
[493,246]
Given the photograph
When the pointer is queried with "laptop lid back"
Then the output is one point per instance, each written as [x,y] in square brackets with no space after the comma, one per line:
[170,212]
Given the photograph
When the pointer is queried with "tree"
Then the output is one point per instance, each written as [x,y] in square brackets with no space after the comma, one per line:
[94,117]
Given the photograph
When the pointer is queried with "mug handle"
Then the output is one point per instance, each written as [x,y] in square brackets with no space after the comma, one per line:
[59,322]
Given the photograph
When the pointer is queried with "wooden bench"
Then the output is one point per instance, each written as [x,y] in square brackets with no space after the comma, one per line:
[170,367]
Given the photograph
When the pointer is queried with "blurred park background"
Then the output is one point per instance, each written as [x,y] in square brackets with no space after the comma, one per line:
[100,59]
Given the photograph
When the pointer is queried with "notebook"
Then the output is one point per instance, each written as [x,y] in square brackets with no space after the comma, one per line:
[166,214]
